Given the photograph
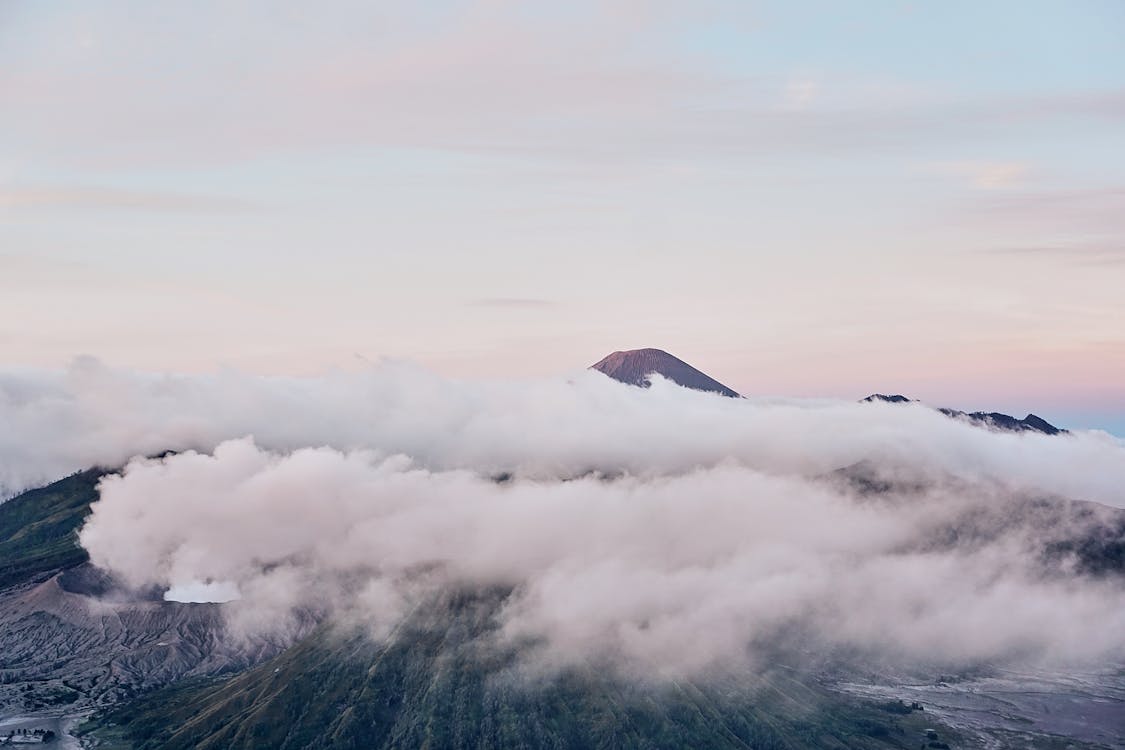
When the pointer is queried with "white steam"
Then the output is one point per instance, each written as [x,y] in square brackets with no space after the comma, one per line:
[203,592]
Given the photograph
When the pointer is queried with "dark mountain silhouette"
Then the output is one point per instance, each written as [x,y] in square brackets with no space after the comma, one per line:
[992,419]
[892,399]
[1030,423]
[634,366]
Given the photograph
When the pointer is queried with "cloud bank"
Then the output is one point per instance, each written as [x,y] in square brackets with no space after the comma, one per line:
[658,529]
[56,423]
[675,574]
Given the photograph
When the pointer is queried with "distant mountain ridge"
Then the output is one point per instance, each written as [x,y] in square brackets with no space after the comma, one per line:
[633,367]
[993,419]
[894,398]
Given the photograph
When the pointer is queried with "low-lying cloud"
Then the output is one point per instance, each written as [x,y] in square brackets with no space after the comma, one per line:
[672,573]
[56,423]
[658,529]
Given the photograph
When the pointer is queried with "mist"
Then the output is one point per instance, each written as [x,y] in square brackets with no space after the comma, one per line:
[659,530]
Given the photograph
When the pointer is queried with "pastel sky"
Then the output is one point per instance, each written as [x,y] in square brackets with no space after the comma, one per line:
[801,198]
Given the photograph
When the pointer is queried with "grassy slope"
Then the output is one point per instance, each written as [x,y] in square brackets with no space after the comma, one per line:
[434,685]
[38,529]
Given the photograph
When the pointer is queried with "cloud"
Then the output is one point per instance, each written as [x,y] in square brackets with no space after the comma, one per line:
[986,175]
[1082,227]
[1084,254]
[800,92]
[512,302]
[57,422]
[669,575]
[29,197]
[570,87]
[1097,211]
[625,521]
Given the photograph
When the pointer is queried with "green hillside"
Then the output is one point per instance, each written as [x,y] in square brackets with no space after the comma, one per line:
[437,683]
[38,529]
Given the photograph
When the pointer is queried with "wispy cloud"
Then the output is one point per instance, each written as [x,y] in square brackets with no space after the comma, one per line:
[485,81]
[1060,216]
[985,175]
[800,92]
[1092,254]
[37,197]
[512,302]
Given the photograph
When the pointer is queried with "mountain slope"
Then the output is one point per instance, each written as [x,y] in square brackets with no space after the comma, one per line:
[72,638]
[38,529]
[990,419]
[1006,422]
[441,682]
[634,366]
[62,644]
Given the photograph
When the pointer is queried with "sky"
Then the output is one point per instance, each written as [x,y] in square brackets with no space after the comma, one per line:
[804,199]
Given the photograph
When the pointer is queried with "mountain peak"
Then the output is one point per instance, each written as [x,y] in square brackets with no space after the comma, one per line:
[894,398]
[989,419]
[633,367]
[1006,422]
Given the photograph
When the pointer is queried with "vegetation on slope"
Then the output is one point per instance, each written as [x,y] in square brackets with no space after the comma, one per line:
[38,529]
[441,682]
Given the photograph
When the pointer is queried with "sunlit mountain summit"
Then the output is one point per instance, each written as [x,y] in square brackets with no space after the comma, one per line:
[633,367]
